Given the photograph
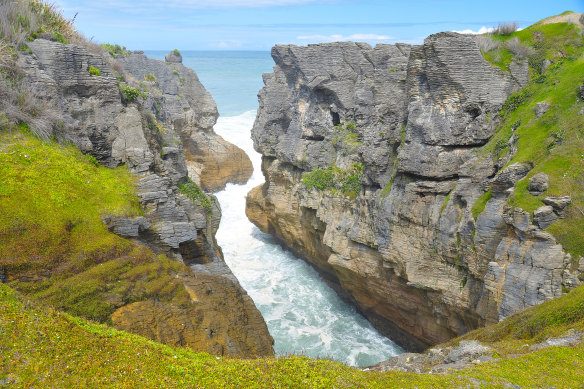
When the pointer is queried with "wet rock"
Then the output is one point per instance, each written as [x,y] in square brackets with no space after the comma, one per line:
[559,204]
[544,216]
[541,109]
[538,184]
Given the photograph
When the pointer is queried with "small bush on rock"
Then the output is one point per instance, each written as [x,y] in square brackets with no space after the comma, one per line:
[94,71]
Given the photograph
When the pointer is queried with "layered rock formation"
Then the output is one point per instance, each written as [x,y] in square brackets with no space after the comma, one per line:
[117,130]
[408,123]
[179,100]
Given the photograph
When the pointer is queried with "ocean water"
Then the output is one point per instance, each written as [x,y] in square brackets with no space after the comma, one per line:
[304,315]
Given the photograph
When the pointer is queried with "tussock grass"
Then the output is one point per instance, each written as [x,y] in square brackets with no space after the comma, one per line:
[21,20]
[507,28]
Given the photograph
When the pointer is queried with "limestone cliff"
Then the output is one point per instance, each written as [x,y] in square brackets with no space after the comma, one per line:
[373,162]
[107,119]
[179,100]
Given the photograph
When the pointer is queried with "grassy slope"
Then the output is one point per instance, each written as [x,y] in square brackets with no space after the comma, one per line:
[53,244]
[42,347]
[554,143]
[59,233]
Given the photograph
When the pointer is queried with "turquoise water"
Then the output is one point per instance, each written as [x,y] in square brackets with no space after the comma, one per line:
[304,315]
[233,78]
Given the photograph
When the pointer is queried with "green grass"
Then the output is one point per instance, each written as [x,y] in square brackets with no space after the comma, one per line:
[53,243]
[335,179]
[196,195]
[546,39]
[345,137]
[554,142]
[480,204]
[116,50]
[42,347]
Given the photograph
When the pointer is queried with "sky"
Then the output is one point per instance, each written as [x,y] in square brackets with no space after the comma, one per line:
[260,24]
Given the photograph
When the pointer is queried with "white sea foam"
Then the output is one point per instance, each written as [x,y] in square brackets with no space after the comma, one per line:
[303,314]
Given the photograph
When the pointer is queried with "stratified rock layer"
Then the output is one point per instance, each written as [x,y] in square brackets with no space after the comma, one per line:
[223,319]
[407,250]
[180,101]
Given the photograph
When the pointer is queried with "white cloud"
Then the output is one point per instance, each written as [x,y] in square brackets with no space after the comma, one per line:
[339,37]
[227,44]
[482,30]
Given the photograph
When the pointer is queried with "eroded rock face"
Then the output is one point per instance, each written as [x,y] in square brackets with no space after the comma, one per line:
[407,250]
[180,102]
[222,319]
[117,133]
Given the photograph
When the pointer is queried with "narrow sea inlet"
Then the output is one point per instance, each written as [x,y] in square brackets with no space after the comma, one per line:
[304,315]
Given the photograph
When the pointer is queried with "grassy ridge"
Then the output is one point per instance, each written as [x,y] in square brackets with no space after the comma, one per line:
[42,347]
[553,143]
[53,243]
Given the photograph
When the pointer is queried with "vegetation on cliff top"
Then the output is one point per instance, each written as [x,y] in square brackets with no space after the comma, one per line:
[43,347]
[552,143]
[54,245]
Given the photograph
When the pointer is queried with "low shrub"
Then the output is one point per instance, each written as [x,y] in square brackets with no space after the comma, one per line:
[335,179]
[518,49]
[195,194]
[116,50]
[486,43]
[506,28]
[94,71]
[130,94]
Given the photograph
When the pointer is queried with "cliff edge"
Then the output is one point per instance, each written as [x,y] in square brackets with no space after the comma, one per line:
[132,244]
[394,171]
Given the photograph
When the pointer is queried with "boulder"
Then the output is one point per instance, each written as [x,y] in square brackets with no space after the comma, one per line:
[559,204]
[541,109]
[538,184]
[173,57]
[544,216]
[572,338]
[467,350]
[509,176]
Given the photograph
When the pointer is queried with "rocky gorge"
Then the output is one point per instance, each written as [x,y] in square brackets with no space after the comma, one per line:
[157,119]
[380,172]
